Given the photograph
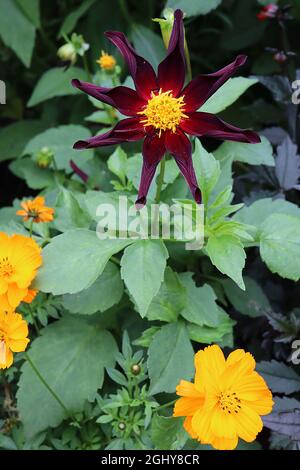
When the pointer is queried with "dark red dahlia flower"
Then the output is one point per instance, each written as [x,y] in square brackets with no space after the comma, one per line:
[162,111]
[268,12]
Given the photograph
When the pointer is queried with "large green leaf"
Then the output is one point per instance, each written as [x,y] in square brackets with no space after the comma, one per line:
[143,266]
[106,291]
[222,334]
[254,154]
[280,245]
[35,177]
[71,356]
[68,212]
[60,140]
[170,358]
[227,254]
[31,9]
[148,44]
[201,307]
[279,377]
[17,31]
[207,170]
[227,94]
[252,302]
[14,137]
[56,82]
[170,300]
[74,260]
[167,433]
[194,7]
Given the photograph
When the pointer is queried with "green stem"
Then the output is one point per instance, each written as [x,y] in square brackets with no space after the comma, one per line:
[86,67]
[31,227]
[188,62]
[124,9]
[166,405]
[44,382]
[34,320]
[115,260]
[160,180]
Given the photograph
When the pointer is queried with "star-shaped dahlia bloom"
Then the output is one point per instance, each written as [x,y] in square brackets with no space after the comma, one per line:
[162,111]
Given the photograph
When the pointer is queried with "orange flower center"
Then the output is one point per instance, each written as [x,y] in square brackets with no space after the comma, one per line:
[229,402]
[163,111]
[6,268]
[106,61]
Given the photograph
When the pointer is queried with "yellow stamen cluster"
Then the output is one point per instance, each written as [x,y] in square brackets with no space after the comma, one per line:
[163,111]
[229,402]
[106,62]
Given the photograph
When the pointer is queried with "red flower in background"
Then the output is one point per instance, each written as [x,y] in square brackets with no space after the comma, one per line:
[162,111]
[268,12]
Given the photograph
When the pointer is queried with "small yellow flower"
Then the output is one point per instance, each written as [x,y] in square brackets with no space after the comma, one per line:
[225,401]
[106,62]
[13,337]
[36,210]
[20,258]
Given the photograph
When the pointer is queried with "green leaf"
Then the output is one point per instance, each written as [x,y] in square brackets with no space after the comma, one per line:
[73,17]
[31,9]
[279,377]
[61,140]
[56,82]
[17,32]
[170,358]
[117,164]
[71,356]
[170,300]
[280,245]
[35,177]
[106,291]
[222,334]
[68,212]
[226,252]
[194,7]
[167,433]
[14,137]
[74,260]
[257,213]
[227,94]
[201,307]
[252,302]
[142,269]
[207,170]
[148,44]
[254,154]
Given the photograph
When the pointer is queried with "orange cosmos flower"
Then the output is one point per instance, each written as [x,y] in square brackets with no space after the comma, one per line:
[36,210]
[13,337]
[20,258]
[225,401]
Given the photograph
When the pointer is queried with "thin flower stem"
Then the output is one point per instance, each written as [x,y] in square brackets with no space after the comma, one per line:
[166,405]
[188,62]
[86,67]
[115,260]
[44,382]
[31,227]
[160,180]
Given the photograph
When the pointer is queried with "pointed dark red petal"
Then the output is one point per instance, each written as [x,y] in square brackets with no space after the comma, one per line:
[126,100]
[180,147]
[197,92]
[171,71]
[153,151]
[142,72]
[209,125]
[127,130]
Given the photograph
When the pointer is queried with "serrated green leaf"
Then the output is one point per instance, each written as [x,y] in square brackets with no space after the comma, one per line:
[142,269]
[207,170]
[194,7]
[252,302]
[279,377]
[253,154]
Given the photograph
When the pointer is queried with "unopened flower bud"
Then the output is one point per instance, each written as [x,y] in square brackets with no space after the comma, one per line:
[268,12]
[166,25]
[136,369]
[280,57]
[67,53]
[122,426]
[44,157]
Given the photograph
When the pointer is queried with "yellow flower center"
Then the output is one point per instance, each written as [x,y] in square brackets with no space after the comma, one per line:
[106,61]
[6,268]
[229,402]
[163,111]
